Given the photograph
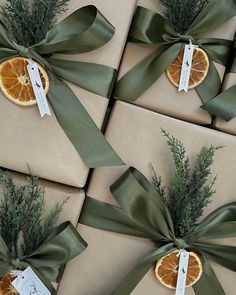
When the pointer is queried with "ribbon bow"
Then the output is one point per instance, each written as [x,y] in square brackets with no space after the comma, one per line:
[151,28]
[84,30]
[48,260]
[142,213]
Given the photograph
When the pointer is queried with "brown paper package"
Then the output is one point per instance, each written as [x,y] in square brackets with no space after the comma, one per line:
[138,140]
[26,138]
[230,126]
[57,193]
[162,96]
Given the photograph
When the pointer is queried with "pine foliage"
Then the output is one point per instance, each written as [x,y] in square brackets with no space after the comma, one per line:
[181,13]
[29,23]
[189,191]
[23,226]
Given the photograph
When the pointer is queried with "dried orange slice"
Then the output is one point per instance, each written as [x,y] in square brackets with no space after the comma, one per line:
[6,288]
[166,269]
[15,82]
[199,70]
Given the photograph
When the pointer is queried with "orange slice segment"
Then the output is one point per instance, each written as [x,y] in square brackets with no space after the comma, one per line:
[15,81]
[166,269]
[199,70]
[6,288]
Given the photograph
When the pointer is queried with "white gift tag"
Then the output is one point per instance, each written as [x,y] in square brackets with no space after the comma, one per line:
[38,88]
[186,66]
[182,273]
[28,283]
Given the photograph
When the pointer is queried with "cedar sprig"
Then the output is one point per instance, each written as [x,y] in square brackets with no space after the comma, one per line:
[181,13]
[29,21]
[189,191]
[23,224]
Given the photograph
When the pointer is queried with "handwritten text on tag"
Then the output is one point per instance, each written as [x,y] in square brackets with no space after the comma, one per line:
[28,283]
[186,66]
[38,88]
[182,274]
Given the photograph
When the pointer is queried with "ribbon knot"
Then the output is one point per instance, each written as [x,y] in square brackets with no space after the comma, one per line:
[23,51]
[181,244]
[16,263]
[186,38]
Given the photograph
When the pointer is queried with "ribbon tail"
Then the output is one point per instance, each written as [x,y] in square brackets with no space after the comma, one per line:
[96,78]
[146,73]
[83,133]
[210,87]
[209,282]
[223,105]
[138,272]
[45,281]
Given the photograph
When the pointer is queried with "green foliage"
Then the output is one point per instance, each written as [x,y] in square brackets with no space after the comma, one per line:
[189,192]
[22,225]
[29,23]
[181,13]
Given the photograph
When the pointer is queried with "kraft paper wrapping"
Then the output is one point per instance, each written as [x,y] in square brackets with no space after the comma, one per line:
[26,138]
[138,140]
[57,193]
[230,126]
[162,96]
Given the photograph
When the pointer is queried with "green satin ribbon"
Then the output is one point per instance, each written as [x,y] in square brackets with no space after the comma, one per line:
[84,30]
[149,27]
[49,259]
[224,104]
[141,213]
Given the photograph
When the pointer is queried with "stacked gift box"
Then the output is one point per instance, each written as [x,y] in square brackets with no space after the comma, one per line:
[117,55]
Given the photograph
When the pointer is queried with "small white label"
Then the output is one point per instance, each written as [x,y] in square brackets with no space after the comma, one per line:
[186,66]
[38,88]
[28,283]
[182,273]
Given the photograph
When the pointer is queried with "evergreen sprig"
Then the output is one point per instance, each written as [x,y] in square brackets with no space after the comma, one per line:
[23,226]
[189,192]
[29,22]
[181,13]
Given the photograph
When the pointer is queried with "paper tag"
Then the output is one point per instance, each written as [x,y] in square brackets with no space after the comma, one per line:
[186,66]
[28,283]
[182,274]
[38,88]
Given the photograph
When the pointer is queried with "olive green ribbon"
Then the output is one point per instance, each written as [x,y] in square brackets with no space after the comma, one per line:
[48,260]
[83,31]
[142,213]
[149,27]
[224,104]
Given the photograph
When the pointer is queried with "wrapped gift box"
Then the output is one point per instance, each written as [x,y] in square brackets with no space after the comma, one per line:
[162,96]
[138,140]
[57,193]
[26,138]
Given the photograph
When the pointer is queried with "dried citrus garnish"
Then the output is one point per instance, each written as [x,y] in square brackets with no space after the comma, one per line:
[199,70]
[6,288]
[15,82]
[167,267]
